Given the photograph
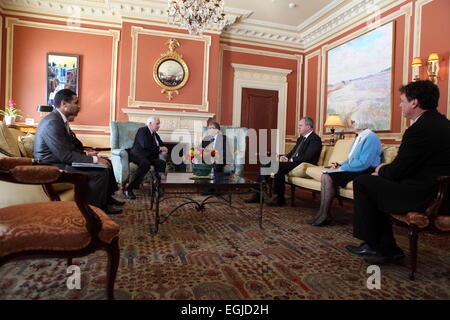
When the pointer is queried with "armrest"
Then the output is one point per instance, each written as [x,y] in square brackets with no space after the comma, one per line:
[433,209]
[119,152]
[39,174]
[300,170]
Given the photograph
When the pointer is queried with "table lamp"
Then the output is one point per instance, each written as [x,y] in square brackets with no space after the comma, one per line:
[333,122]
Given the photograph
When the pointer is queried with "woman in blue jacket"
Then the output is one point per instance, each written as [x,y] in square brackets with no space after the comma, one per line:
[363,158]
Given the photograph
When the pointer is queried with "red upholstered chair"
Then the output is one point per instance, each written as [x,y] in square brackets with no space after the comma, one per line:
[434,220]
[60,229]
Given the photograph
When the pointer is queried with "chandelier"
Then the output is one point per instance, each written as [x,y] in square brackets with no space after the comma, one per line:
[195,15]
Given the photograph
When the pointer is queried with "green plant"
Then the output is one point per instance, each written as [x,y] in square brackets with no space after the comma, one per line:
[11,111]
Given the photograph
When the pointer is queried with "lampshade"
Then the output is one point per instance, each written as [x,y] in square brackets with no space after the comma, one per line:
[417,62]
[433,57]
[333,121]
[44,108]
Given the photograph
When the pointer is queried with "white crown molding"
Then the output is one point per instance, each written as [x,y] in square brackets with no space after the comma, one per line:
[249,67]
[115,12]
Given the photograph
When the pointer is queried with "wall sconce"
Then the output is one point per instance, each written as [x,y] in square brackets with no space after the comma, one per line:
[43,108]
[416,64]
[433,67]
[333,122]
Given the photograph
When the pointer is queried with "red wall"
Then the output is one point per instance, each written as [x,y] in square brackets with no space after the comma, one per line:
[435,19]
[30,48]
[229,57]
[32,44]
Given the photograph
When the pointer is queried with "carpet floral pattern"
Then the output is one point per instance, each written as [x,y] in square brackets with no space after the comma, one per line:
[221,254]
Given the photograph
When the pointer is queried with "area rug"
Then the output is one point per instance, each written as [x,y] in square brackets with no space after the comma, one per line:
[222,254]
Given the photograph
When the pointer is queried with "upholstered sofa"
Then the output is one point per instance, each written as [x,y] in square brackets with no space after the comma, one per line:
[19,144]
[308,176]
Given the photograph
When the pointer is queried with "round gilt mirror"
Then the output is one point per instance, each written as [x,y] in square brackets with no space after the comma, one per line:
[170,71]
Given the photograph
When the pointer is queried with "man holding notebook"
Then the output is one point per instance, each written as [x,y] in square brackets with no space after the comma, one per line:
[55,143]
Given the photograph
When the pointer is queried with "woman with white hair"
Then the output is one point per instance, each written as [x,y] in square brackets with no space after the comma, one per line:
[363,158]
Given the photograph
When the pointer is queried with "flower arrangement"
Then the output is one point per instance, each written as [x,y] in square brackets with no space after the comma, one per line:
[11,110]
[202,160]
[201,155]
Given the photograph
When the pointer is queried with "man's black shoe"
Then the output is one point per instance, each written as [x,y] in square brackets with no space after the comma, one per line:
[362,250]
[112,210]
[115,202]
[384,259]
[129,194]
[277,202]
[254,199]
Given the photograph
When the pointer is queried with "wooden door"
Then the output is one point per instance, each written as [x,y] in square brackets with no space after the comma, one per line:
[259,111]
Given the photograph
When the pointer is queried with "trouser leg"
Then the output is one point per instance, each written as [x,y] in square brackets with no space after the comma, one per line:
[371,224]
[143,168]
[279,179]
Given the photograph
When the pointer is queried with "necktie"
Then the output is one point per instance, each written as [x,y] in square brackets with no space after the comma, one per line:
[297,150]
[155,139]
[67,127]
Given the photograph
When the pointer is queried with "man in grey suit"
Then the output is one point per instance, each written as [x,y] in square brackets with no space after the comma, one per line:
[55,143]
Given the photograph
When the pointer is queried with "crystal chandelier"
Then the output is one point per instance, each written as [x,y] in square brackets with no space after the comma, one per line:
[195,15]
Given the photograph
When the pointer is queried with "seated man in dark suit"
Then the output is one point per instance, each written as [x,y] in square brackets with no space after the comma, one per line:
[55,143]
[409,182]
[217,141]
[307,149]
[145,152]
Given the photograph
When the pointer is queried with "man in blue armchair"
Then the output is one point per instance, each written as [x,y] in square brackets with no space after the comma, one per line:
[145,152]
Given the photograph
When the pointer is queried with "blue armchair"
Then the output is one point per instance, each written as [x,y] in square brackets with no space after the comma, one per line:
[236,139]
[122,138]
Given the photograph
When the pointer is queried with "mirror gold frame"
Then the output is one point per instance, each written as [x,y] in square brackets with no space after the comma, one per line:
[170,71]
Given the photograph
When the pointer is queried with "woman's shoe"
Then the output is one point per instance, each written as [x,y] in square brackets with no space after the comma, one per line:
[326,222]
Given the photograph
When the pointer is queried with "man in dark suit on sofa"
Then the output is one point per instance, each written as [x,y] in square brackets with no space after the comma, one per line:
[55,143]
[218,141]
[307,149]
[409,182]
[145,152]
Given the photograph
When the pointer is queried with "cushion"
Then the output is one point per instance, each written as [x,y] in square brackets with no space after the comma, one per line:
[340,151]
[315,172]
[7,141]
[389,153]
[53,226]
[300,170]
[326,150]
[15,193]
[442,223]
[26,144]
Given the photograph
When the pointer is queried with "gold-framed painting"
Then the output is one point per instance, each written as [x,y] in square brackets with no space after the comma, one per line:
[360,79]
[170,71]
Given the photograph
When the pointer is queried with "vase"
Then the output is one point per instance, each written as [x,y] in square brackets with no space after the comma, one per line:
[9,120]
[201,169]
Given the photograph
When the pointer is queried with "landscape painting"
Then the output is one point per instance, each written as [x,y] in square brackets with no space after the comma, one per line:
[359,82]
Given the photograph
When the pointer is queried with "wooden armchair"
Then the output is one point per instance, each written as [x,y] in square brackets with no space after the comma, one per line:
[433,220]
[60,229]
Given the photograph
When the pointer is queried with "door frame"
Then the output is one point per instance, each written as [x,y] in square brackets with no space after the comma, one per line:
[257,77]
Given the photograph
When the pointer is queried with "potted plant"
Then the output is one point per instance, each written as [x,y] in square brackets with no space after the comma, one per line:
[202,160]
[10,113]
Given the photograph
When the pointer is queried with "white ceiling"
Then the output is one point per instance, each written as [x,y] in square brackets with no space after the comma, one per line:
[279,12]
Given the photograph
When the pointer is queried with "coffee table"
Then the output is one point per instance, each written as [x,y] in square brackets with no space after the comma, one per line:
[216,191]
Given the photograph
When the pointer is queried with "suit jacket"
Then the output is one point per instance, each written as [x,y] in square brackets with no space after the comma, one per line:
[309,150]
[222,146]
[144,145]
[424,153]
[54,144]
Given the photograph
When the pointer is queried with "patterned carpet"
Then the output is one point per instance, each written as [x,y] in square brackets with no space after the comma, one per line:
[222,254]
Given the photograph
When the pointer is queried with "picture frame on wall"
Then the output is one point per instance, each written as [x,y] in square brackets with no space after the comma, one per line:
[360,79]
[63,72]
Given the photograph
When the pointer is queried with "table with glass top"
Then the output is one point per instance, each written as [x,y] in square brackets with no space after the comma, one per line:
[216,191]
